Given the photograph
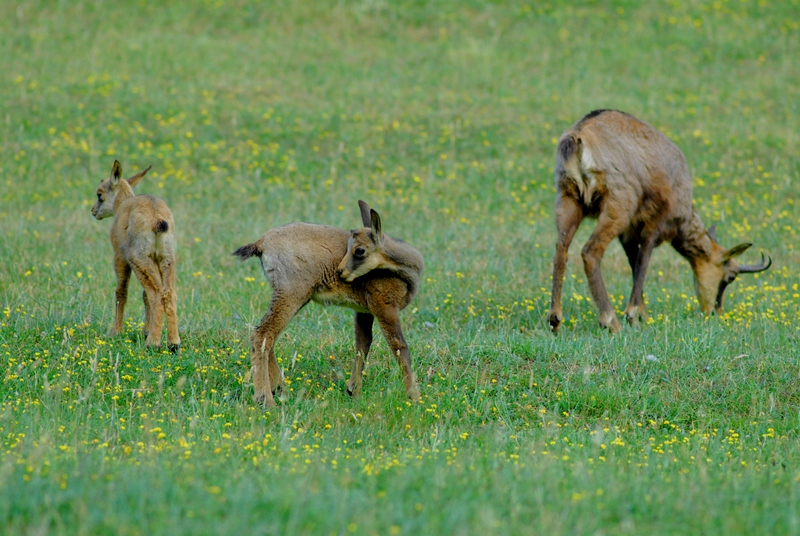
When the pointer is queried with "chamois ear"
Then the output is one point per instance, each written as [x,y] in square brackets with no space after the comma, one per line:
[712,233]
[116,174]
[735,251]
[377,232]
[133,181]
[366,217]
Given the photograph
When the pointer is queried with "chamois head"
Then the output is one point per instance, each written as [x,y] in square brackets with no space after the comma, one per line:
[110,187]
[713,275]
[364,247]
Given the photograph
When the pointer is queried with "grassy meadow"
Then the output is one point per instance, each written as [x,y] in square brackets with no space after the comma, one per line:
[444,117]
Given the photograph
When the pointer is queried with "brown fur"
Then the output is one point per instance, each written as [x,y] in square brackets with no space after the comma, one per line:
[143,238]
[635,181]
[245,252]
[364,270]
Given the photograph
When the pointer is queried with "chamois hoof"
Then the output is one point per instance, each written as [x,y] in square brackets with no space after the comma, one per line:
[635,316]
[613,326]
[555,322]
[174,348]
[265,401]
[413,394]
[113,332]
[280,390]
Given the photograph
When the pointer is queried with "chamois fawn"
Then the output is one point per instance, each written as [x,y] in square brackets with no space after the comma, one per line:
[143,237]
[635,181]
[364,269]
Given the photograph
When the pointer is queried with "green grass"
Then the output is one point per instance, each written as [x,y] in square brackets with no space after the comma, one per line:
[443,116]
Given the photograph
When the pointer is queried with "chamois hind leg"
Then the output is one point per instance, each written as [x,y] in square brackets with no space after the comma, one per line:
[363,328]
[150,278]
[146,315]
[608,228]
[169,296]
[568,217]
[123,271]
[389,319]
[266,372]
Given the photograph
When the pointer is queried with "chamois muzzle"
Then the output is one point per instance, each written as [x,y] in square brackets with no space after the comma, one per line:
[342,271]
[755,268]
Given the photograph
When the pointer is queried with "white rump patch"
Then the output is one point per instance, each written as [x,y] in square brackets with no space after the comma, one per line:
[588,167]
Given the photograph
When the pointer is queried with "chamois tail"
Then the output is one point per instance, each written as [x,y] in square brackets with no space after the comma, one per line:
[250,250]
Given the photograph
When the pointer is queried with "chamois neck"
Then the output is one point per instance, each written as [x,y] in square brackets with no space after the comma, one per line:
[407,261]
[693,241]
[124,192]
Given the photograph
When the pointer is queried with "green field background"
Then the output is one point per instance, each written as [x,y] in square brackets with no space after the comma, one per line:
[444,117]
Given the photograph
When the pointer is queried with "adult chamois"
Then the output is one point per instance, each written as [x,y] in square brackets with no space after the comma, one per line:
[364,269]
[635,182]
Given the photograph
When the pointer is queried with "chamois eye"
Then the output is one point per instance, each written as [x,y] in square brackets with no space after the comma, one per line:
[360,251]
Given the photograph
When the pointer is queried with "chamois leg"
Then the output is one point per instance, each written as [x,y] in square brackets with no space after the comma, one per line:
[631,246]
[568,217]
[635,312]
[150,278]
[146,315]
[123,271]
[169,296]
[389,320]
[363,327]
[630,243]
[266,372]
[607,229]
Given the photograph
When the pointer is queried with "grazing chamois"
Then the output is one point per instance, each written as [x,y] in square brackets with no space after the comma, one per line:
[635,181]
[364,269]
[143,237]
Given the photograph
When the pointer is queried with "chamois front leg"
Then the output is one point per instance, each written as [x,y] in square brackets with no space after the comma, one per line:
[389,319]
[568,217]
[363,328]
[635,311]
[607,229]
[123,271]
